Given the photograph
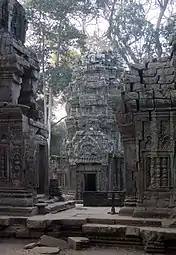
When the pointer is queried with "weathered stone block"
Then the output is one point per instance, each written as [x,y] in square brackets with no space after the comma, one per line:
[52,242]
[22,232]
[158,65]
[38,222]
[150,80]
[153,86]
[102,228]
[78,243]
[5,221]
[137,66]
[167,86]
[132,79]
[165,79]
[162,94]
[138,87]
[166,71]
[131,96]
[149,72]
[132,231]
[46,250]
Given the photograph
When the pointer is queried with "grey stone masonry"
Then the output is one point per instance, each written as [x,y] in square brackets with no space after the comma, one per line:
[23,135]
[147,123]
[93,138]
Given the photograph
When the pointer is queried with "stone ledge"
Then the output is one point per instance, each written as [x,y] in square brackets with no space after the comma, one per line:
[59,206]
[17,211]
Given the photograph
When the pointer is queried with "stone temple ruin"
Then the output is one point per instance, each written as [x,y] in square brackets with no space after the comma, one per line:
[147,122]
[145,115]
[23,136]
[94,149]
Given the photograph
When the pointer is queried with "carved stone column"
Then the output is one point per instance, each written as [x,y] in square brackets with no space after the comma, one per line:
[127,130]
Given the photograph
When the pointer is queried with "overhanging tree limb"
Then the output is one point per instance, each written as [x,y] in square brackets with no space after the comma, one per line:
[54,124]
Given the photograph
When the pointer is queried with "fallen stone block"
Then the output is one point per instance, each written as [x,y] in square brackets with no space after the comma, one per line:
[46,250]
[78,243]
[53,242]
[30,246]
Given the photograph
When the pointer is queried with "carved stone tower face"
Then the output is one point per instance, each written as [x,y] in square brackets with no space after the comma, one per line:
[12,19]
[92,131]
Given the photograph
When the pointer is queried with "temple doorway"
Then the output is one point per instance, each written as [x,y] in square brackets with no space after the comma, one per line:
[42,170]
[90,182]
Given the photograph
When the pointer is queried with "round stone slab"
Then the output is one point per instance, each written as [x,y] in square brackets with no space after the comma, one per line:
[46,250]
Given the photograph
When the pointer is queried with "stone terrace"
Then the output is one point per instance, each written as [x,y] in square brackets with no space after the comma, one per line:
[154,235]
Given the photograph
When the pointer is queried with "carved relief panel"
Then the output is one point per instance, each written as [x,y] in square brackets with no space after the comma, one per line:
[4,162]
[157,169]
[16,168]
[155,150]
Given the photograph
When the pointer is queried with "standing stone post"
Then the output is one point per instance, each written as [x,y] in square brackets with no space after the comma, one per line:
[127,129]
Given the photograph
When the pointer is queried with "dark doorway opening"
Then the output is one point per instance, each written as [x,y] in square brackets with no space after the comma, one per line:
[42,169]
[90,182]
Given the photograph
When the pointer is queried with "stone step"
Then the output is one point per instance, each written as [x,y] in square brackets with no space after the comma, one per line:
[17,191]
[153,239]
[118,242]
[59,206]
[122,220]
[18,211]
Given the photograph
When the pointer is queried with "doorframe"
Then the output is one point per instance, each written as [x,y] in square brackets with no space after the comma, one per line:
[90,173]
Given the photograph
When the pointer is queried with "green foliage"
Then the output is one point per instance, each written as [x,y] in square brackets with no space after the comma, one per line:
[55,38]
[132,31]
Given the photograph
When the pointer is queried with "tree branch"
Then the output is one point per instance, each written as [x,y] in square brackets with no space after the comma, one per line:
[163,7]
[54,124]
[161,14]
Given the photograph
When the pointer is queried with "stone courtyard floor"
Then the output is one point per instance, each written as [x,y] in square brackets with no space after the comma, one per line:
[80,212]
[15,247]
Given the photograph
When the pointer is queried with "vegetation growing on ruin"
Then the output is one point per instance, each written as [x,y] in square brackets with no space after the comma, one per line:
[60,30]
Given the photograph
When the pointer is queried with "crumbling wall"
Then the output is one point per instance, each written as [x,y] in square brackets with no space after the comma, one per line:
[146,118]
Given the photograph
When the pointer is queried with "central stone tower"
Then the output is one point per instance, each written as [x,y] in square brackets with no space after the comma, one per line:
[95,153]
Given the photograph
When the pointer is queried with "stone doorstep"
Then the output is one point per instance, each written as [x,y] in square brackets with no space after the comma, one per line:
[78,243]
